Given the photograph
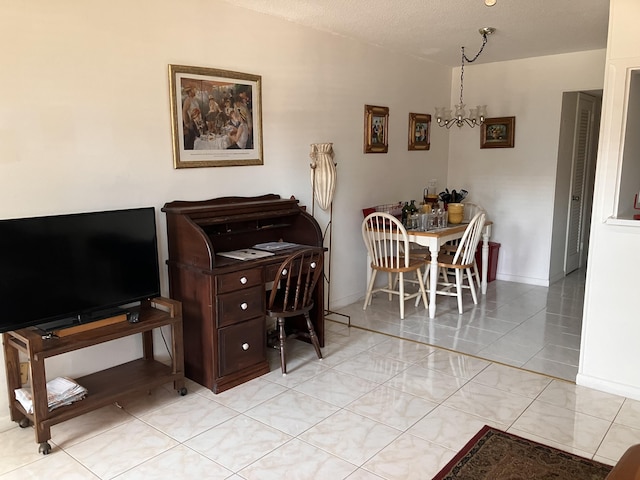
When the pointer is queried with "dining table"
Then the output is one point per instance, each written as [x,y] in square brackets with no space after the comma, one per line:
[434,240]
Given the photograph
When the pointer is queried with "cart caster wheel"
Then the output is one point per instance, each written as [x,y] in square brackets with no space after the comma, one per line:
[24,423]
[44,448]
[182,391]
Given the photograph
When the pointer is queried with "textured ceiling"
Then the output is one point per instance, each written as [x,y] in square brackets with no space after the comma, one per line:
[436,29]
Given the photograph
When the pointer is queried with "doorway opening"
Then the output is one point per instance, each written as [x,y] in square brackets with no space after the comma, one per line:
[575,176]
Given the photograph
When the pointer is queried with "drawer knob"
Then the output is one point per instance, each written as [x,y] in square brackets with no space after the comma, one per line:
[245,346]
[284,272]
[243,280]
[244,305]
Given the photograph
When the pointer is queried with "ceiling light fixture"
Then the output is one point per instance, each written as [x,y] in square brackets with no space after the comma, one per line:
[476,115]
[490,3]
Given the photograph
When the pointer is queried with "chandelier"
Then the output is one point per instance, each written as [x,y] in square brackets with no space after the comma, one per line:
[476,115]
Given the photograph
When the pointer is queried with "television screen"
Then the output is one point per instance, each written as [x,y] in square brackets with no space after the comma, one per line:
[74,266]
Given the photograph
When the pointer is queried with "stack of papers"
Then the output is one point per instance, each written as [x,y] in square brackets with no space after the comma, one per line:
[245,254]
[60,391]
[275,246]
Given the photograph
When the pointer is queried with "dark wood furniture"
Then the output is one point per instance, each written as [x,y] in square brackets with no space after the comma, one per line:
[628,467]
[223,299]
[104,387]
[297,276]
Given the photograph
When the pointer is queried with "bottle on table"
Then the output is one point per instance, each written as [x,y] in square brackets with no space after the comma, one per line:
[405,214]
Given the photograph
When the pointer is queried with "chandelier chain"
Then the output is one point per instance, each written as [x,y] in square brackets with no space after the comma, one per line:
[470,60]
[484,42]
[478,114]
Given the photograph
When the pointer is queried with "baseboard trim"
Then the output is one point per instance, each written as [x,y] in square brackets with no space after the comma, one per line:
[344,301]
[527,280]
[608,386]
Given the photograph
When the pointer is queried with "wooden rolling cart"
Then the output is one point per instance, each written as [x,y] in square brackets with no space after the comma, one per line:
[104,387]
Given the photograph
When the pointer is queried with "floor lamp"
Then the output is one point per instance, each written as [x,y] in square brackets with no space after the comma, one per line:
[323,185]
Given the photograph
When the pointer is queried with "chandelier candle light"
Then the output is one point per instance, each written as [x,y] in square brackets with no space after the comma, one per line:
[476,115]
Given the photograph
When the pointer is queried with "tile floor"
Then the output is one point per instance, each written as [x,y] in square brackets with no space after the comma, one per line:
[527,326]
[377,407]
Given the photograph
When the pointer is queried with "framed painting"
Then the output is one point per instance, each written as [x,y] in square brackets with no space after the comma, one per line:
[376,129]
[419,131]
[498,132]
[216,117]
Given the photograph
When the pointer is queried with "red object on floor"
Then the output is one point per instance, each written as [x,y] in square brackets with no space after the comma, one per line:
[493,260]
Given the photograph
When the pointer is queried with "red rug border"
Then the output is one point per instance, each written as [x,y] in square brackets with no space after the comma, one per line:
[467,447]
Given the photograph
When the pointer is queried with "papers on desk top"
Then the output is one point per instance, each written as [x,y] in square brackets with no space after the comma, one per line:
[275,246]
[259,250]
[246,254]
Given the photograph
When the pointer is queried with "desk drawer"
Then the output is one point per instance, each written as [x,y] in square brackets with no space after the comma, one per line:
[242,305]
[270,272]
[242,345]
[230,282]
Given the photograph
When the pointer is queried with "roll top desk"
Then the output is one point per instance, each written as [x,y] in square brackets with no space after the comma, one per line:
[224,299]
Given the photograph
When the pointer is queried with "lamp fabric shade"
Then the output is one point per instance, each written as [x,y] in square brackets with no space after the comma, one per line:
[323,174]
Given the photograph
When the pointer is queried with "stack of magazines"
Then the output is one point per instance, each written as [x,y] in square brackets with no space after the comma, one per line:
[60,391]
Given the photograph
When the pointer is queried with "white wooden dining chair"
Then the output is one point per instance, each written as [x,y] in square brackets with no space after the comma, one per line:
[387,244]
[470,211]
[461,259]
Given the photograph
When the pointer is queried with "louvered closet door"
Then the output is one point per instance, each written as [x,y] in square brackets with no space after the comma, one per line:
[581,145]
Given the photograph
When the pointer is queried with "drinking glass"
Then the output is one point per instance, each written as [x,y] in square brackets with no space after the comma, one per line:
[424,222]
[444,216]
[414,222]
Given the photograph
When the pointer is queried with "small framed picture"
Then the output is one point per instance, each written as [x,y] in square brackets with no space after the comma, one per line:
[376,129]
[419,131]
[498,132]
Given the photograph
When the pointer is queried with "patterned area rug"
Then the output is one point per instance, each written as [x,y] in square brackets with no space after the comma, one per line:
[496,455]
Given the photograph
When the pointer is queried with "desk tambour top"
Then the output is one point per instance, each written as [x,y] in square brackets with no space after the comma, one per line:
[198,230]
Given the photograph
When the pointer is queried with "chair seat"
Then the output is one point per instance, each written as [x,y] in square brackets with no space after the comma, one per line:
[447,260]
[414,262]
[274,312]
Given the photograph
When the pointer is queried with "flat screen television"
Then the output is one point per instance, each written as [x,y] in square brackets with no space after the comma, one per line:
[68,269]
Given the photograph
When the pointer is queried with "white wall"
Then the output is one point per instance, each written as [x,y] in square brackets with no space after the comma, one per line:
[84,120]
[517,185]
[610,331]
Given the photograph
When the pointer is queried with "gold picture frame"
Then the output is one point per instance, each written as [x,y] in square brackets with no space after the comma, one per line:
[376,129]
[419,131]
[498,132]
[216,117]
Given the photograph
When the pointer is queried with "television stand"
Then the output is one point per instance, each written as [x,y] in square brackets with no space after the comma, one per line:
[104,387]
